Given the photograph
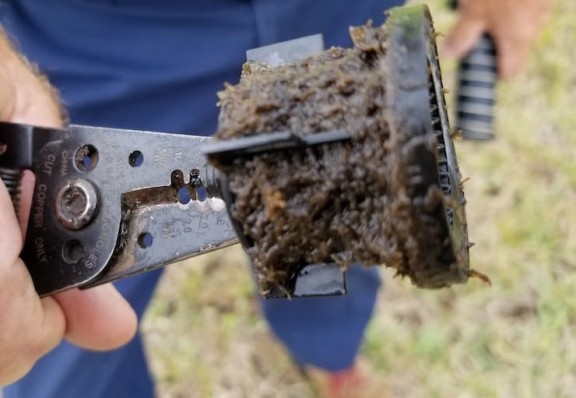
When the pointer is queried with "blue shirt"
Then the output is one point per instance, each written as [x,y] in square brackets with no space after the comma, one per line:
[158,64]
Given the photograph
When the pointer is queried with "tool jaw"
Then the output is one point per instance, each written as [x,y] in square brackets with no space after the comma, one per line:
[110,203]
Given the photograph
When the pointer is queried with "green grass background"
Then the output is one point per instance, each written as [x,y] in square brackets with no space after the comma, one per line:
[517,338]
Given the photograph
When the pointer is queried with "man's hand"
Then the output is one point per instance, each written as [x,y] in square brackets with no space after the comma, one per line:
[513,24]
[99,318]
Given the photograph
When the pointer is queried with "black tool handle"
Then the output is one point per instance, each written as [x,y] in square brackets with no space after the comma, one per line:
[475,90]
[11,179]
[15,156]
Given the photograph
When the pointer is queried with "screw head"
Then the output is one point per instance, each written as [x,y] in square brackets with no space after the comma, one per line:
[76,204]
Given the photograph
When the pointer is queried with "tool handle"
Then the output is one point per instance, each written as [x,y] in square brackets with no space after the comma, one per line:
[475,89]
[15,156]
[11,179]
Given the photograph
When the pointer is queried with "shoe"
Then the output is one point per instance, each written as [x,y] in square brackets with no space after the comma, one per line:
[357,382]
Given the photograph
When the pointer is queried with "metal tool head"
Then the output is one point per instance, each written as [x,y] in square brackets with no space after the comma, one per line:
[110,203]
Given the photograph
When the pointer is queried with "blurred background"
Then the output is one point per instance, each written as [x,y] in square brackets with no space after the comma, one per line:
[516,338]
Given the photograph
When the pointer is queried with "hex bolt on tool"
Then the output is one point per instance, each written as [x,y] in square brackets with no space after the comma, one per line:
[111,203]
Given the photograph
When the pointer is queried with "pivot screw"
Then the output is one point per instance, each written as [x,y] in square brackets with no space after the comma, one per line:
[76,204]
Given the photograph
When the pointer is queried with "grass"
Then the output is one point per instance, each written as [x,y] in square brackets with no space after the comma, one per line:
[514,339]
